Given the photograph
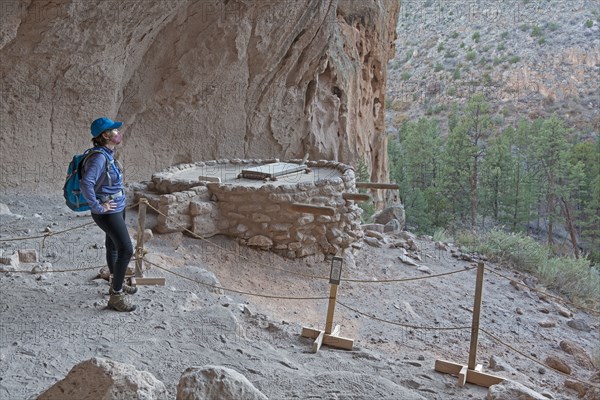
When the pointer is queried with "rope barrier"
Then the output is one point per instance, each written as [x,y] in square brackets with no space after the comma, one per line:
[55,270]
[432,328]
[233,290]
[316,277]
[45,235]
[534,360]
[407,279]
[243,257]
[48,234]
[591,310]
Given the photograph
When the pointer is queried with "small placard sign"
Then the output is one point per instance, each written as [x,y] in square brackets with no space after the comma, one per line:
[336,270]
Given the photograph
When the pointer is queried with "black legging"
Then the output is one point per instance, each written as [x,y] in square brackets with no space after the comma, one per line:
[118,245]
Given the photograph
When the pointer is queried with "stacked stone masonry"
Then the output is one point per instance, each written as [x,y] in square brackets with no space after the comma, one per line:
[258,213]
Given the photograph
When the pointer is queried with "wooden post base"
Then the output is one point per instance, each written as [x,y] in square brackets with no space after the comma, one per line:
[474,376]
[328,339]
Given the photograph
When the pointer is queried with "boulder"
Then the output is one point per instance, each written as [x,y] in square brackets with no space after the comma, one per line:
[509,390]
[547,323]
[562,310]
[389,213]
[216,383]
[558,364]
[373,242]
[393,226]
[579,325]
[412,245]
[441,246]
[206,279]
[374,234]
[104,379]
[497,363]
[40,268]
[407,260]
[592,394]
[148,235]
[579,387]
[424,270]
[373,227]
[399,244]
[582,358]
[405,235]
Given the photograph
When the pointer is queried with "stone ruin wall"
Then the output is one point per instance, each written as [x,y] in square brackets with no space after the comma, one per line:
[260,216]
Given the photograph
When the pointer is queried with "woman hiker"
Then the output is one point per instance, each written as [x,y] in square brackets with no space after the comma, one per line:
[105,194]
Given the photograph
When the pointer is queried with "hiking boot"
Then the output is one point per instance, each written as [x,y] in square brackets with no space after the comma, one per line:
[126,289]
[119,302]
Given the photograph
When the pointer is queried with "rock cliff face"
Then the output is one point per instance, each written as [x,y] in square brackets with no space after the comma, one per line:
[529,59]
[193,80]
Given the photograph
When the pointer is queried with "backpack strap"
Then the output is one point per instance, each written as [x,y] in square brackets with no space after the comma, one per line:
[109,162]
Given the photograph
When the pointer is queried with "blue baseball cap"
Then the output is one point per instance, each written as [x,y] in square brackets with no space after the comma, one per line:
[103,124]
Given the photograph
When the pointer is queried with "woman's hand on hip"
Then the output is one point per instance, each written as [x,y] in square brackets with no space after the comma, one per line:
[108,206]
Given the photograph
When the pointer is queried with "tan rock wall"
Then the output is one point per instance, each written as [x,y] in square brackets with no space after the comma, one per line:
[193,80]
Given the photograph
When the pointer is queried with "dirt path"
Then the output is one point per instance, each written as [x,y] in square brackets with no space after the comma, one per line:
[50,322]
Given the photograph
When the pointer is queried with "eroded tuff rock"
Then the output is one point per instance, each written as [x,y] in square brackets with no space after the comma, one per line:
[216,383]
[193,80]
[100,378]
[510,390]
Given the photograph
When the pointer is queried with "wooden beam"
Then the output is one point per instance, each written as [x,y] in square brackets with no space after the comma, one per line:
[339,342]
[329,340]
[318,342]
[356,196]
[476,312]
[203,178]
[481,379]
[474,377]
[139,245]
[336,331]
[447,367]
[331,309]
[310,209]
[148,281]
[376,185]
[310,333]
[462,376]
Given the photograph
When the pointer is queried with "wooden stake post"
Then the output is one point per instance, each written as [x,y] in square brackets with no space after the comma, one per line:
[138,277]
[376,185]
[471,373]
[356,196]
[330,336]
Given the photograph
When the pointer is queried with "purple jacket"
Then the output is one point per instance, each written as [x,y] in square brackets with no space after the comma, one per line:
[95,185]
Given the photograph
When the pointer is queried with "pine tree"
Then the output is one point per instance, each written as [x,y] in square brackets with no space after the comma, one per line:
[471,130]
[414,164]
[496,174]
[584,192]
[456,173]
[519,202]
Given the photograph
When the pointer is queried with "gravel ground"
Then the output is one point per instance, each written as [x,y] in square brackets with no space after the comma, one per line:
[52,321]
